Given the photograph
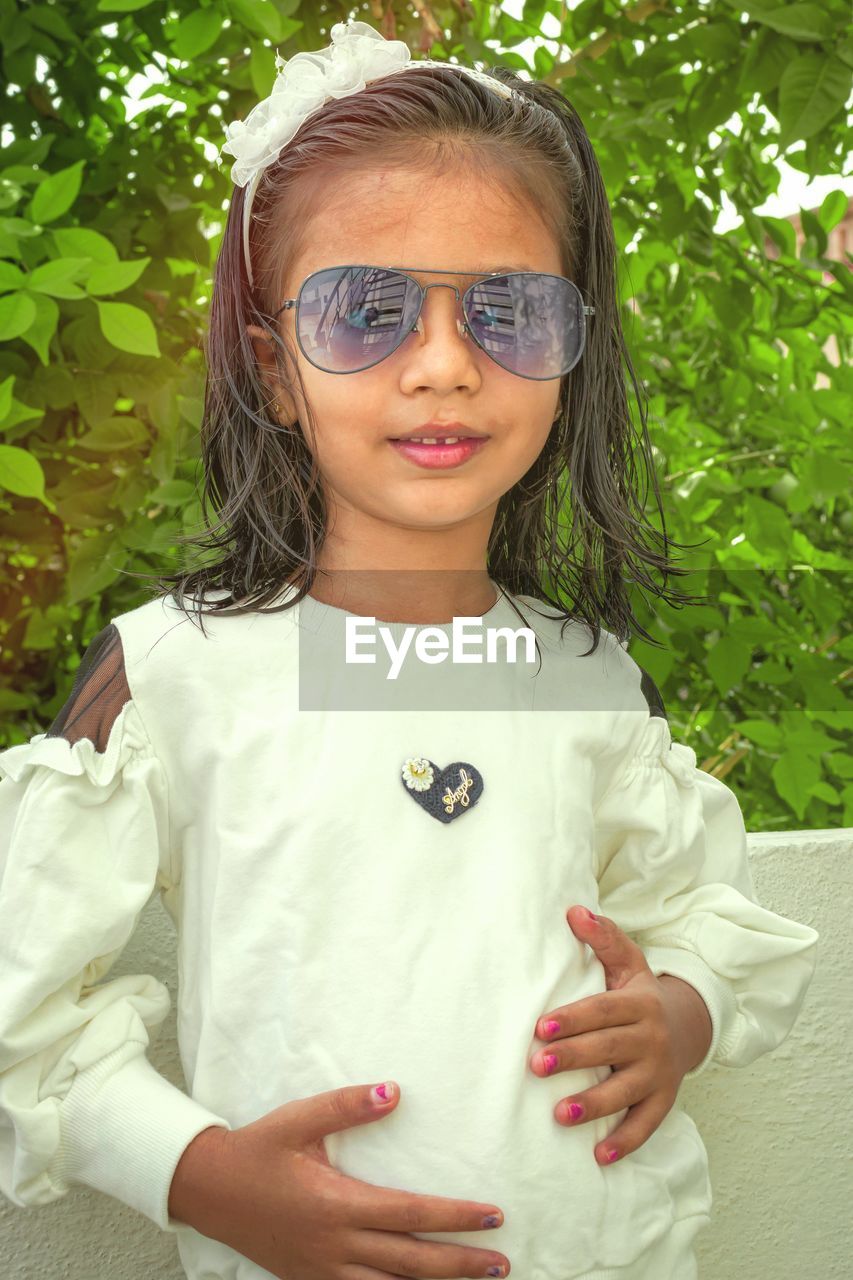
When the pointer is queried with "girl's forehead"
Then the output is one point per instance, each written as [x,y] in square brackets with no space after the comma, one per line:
[375,206]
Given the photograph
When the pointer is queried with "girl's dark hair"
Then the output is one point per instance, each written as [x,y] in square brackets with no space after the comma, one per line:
[574,524]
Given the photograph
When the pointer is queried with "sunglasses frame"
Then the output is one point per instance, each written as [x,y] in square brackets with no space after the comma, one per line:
[465,328]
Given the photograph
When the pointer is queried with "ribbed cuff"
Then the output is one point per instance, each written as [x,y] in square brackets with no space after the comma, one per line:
[124,1129]
[716,993]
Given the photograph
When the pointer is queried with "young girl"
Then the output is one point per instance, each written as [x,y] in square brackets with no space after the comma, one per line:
[381,917]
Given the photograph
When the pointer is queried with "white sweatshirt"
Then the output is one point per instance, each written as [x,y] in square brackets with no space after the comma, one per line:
[336,925]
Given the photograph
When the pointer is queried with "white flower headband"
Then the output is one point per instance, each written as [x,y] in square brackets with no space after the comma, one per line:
[357,54]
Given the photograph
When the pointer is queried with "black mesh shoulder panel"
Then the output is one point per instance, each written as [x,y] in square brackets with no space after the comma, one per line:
[652,695]
[99,692]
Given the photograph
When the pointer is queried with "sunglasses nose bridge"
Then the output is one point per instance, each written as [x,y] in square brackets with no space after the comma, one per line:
[461,325]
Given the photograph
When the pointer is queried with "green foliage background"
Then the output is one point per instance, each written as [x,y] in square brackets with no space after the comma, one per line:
[108,233]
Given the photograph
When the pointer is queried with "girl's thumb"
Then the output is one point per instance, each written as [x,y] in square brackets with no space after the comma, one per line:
[344,1108]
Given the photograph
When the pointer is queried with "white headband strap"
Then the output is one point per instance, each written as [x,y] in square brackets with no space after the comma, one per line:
[358,54]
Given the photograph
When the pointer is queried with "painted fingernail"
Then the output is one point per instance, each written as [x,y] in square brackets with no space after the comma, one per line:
[496,1271]
[593,919]
[575,1110]
[550,1027]
[549,1062]
[492,1220]
[612,1155]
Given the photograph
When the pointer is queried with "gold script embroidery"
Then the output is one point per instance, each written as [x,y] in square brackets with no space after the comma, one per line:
[460,794]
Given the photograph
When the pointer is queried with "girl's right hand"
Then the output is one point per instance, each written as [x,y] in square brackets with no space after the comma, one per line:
[269,1191]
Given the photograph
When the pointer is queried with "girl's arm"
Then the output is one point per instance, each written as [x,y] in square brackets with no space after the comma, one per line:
[83,844]
[673,873]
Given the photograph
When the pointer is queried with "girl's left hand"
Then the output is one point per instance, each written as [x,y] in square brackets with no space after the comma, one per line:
[650,1030]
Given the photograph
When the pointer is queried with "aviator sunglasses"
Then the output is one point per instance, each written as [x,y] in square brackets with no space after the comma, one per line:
[529,322]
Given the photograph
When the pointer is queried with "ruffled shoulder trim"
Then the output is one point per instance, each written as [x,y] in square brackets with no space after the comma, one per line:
[656,747]
[127,738]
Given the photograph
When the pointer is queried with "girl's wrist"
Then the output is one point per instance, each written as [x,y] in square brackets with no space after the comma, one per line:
[695,1028]
[198,1167]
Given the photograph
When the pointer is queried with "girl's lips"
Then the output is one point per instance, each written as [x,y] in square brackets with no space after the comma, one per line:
[439,455]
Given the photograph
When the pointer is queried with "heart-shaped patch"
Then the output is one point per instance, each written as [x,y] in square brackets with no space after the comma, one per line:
[444,793]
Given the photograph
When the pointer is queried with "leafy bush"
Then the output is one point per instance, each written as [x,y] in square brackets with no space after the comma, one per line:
[109,229]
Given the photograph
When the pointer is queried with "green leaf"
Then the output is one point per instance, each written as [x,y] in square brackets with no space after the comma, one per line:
[21,473]
[174,493]
[52,21]
[812,90]
[17,313]
[795,774]
[6,387]
[823,791]
[93,566]
[83,242]
[127,327]
[801,21]
[840,764]
[43,327]
[114,434]
[11,277]
[761,732]
[96,394]
[727,663]
[56,193]
[115,277]
[19,413]
[57,277]
[832,209]
[771,673]
[809,738]
[814,233]
[259,16]
[122,6]
[781,233]
[766,526]
[820,470]
[196,33]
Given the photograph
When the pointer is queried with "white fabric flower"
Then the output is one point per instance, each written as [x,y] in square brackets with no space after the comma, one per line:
[357,54]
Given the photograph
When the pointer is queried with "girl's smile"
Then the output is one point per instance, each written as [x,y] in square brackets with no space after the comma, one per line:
[440,455]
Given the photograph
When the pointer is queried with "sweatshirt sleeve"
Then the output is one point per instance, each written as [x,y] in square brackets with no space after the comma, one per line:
[83,845]
[673,873]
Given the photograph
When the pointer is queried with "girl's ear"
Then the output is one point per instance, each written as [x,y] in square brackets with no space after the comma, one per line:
[265,356]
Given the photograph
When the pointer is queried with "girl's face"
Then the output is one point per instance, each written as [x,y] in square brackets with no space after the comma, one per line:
[376,496]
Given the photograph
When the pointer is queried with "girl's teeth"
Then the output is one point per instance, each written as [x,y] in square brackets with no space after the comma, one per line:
[435,440]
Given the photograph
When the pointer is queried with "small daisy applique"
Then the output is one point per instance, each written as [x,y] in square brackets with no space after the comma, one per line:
[443,793]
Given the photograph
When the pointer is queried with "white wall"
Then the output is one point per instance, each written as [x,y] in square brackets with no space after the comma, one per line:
[779,1133]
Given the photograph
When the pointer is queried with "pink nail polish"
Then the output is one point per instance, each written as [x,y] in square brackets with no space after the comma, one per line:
[549,1061]
[550,1027]
[612,1155]
[575,1110]
[593,919]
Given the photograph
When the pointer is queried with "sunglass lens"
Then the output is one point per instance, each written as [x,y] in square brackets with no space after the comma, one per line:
[529,323]
[352,317]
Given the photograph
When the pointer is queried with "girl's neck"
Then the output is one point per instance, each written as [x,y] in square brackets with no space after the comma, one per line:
[410,595]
